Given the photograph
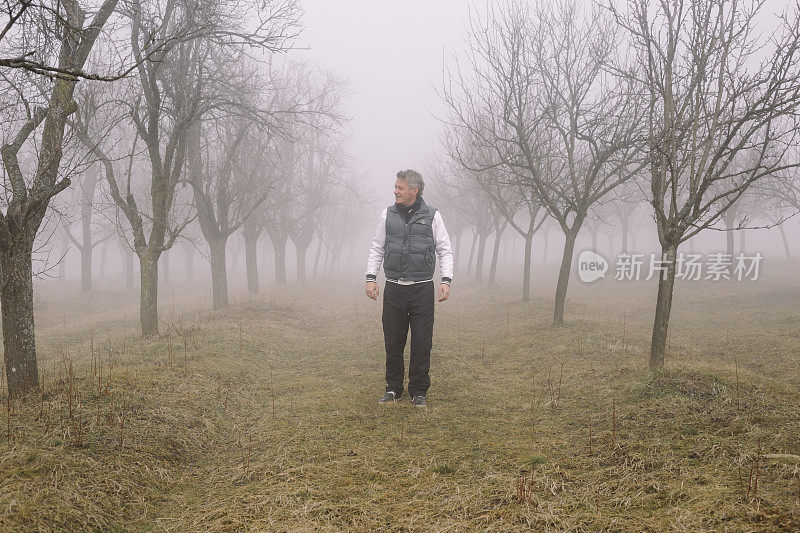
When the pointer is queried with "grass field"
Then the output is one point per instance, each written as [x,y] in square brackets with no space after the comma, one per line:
[265,417]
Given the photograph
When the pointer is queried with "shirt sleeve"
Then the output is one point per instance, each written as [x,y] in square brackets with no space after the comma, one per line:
[444,250]
[376,249]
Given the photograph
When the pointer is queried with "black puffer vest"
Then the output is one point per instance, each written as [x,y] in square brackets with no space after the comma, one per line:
[409,251]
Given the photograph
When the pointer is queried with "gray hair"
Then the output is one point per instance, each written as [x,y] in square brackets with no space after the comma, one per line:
[413,178]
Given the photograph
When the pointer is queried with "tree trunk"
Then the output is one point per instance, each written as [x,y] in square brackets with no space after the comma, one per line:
[86,249]
[316,258]
[472,252]
[526,269]
[279,247]
[251,260]
[563,276]
[479,259]
[666,284]
[785,243]
[742,241]
[498,234]
[219,274]
[148,305]
[546,242]
[729,241]
[104,259]
[301,250]
[86,266]
[18,327]
[87,246]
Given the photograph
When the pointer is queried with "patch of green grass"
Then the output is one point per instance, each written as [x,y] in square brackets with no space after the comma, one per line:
[535,459]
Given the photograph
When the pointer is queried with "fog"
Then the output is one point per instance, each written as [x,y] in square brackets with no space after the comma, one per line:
[226,228]
[391,56]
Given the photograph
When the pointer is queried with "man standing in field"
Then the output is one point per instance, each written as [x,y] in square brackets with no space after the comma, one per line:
[409,237]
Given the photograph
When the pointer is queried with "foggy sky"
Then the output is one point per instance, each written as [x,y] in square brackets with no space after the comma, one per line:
[392,54]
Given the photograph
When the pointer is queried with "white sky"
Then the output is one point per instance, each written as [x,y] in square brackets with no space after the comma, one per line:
[391,53]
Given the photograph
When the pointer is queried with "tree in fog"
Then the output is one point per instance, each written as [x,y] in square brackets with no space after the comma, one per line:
[446,194]
[622,208]
[87,197]
[721,105]
[276,219]
[512,200]
[88,194]
[518,204]
[261,160]
[224,195]
[341,227]
[778,215]
[168,96]
[780,196]
[538,96]
[315,165]
[741,215]
[40,81]
[233,152]
[480,214]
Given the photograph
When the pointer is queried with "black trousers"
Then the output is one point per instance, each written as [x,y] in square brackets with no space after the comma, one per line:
[404,306]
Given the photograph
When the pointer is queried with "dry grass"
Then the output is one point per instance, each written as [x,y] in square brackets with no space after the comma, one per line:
[265,417]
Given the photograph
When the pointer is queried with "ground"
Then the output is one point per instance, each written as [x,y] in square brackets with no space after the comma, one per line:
[265,417]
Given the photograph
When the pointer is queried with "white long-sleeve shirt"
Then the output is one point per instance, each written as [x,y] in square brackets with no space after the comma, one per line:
[444,250]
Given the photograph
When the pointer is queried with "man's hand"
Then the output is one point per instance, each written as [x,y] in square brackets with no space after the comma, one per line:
[372,290]
[444,291]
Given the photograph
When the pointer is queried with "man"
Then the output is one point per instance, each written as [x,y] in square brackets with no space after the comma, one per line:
[409,237]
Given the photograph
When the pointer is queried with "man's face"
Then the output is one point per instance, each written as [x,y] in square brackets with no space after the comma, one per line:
[403,193]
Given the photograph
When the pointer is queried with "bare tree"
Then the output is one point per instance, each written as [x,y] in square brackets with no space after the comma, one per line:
[539,100]
[710,98]
[626,202]
[225,194]
[169,97]
[88,99]
[251,231]
[445,192]
[89,238]
[277,219]
[781,198]
[739,217]
[26,46]
[342,227]
[71,38]
[482,217]
[510,195]
[315,163]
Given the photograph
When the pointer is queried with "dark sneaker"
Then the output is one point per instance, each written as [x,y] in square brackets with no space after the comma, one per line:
[389,397]
[419,401]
